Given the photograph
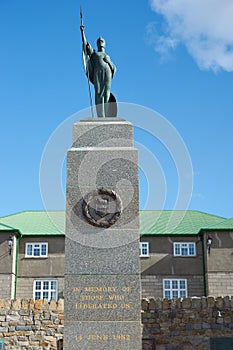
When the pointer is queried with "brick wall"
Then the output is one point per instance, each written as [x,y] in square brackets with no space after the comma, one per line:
[174,324]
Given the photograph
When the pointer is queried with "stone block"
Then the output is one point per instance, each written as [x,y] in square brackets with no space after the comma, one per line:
[119,259]
[210,302]
[196,303]
[186,303]
[158,304]
[16,304]
[105,133]
[77,224]
[60,305]
[152,304]
[104,297]
[219,302]
[103,335]
[52,305]
[144,304]
[101,168]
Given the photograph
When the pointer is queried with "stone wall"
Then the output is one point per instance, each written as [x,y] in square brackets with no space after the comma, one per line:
[173,324]
[31,325]
[187,324]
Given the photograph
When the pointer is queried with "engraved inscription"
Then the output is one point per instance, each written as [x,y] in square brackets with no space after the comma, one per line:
[104,337]
[103,297]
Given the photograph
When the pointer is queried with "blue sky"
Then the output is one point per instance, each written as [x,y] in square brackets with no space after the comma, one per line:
[174,57]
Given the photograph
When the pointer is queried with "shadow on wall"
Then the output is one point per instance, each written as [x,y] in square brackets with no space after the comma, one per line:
[60,344]
[148,344]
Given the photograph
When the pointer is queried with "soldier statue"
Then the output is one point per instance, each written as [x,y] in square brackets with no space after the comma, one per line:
[100,71]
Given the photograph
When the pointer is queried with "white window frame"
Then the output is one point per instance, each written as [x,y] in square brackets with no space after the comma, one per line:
[173,289]
[179,246]
[44,289]
[144,249]
[38,246]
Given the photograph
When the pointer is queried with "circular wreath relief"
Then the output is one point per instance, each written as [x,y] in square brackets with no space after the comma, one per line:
[102,207]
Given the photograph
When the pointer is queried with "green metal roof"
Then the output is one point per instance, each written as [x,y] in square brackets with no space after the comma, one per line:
[175,222]
[226,224]
[152,222]
[36,222]
[6,227]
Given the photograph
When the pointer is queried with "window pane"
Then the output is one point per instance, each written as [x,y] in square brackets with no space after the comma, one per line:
[177,249]
[36,250]
[174,284]
[46,285]
[45,295]
[182,284]
[38,285]
[191,249]
[167,294]
[144,250]
[184,249]
[53,284]
[29,249]
[37,296]
[175,294]
[53,295]
[167,284]
[183,294]
[43,249]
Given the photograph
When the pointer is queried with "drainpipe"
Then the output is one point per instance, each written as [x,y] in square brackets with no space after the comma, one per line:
[203,264]
[16,263]
[13,266]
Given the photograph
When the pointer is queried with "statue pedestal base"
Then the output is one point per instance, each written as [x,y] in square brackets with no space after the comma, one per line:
[102,271]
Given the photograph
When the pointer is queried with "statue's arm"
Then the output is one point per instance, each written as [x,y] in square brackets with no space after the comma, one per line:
[86,46]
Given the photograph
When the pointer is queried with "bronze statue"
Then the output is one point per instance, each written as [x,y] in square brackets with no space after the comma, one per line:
[100,71]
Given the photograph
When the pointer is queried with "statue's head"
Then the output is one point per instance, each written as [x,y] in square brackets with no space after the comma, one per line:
[101,43]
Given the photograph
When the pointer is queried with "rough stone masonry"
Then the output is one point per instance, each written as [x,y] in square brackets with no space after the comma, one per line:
[173,324]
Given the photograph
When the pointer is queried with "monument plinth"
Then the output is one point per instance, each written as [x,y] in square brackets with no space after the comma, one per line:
[102,271]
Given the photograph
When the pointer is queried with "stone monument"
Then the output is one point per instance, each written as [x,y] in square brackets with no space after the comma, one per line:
[102,267]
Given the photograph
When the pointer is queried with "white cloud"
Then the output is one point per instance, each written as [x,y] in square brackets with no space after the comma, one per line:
[205,27]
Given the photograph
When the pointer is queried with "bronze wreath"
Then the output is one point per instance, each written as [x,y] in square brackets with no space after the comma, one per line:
[110,218]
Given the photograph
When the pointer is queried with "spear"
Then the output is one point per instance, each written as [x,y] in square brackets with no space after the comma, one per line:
[84,61]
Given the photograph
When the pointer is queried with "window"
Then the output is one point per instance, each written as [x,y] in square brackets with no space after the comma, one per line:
[174,288]
[184,249]
[36,250]
[144,249]
[45,289]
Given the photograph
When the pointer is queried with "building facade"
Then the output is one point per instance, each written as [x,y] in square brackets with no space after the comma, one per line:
[183,254]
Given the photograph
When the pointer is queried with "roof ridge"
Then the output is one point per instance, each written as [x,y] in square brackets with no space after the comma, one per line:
[203,212]
[216,224]
[30,211]
[183,210]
